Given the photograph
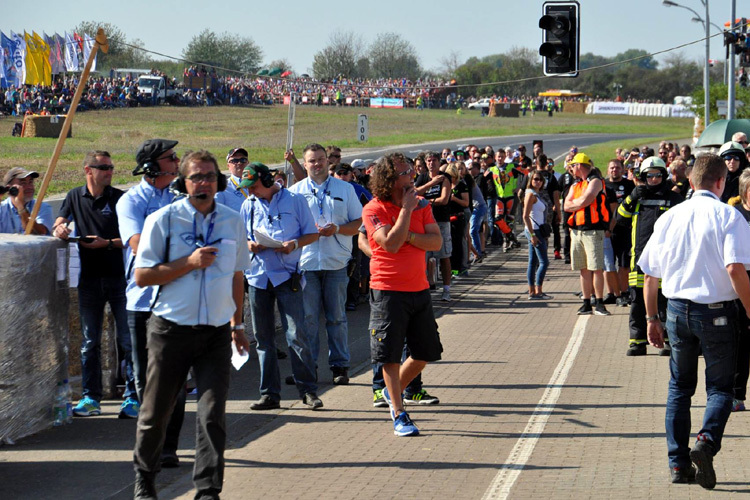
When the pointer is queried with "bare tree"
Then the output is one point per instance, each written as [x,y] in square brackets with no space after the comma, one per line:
[450,63]
[341,57]
[282,64]
[391,56]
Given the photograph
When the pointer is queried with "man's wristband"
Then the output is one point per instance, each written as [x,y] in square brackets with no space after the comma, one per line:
[411,237]
[337,228]
[238,328]
[651,319]
[296,244]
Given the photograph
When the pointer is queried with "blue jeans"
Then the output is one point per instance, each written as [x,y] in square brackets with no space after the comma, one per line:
[538,260]
[693,327]
[93,295]
[326,291]
[292,318]
[475,226]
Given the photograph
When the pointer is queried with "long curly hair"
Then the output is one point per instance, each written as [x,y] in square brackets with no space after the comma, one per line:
[384,175]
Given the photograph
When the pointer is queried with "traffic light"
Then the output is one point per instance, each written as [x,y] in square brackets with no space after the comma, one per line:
[561,38]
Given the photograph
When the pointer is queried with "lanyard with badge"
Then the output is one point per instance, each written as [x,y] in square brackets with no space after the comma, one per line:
[200,241]
[238,188]
[322,221]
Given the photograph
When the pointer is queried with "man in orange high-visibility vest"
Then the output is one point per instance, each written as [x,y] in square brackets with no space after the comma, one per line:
[586,201]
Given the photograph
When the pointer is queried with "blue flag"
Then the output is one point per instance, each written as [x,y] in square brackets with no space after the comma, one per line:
[6,61]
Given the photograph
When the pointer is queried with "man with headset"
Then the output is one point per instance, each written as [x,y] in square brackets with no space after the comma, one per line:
[274,277]
[192,250]
[157,163]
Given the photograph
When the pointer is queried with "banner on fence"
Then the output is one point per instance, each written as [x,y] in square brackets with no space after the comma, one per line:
[386,102]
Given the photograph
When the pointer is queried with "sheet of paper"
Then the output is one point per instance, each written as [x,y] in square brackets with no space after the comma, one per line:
[238,359]
[263,239]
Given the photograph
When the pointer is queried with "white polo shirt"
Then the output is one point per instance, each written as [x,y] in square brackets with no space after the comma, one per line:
[202,296]
[333,201]
[691,247]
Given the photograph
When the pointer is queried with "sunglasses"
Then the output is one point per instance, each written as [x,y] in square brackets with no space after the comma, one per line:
[731,158]
[238,161]
[103,166]
[407,172]
[537,179]
[334,156]
[196,178]
[653,176]
[172,157]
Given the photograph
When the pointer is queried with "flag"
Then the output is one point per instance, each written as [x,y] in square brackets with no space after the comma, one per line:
[88,45]
[43,65]
[9,71]
[60,48]
[33,73]
[19,58]
[3,57]
[54,53]
[79,51]
[71,55]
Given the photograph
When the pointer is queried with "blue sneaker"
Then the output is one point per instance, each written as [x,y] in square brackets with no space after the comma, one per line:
[87,407]
[387,398]
[403,426]
[129,408]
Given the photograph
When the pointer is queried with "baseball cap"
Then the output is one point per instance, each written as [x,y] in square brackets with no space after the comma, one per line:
[251,174]
[344,168]
[359,163]
[582,158]
[18,173]
[152,149]
[234,151]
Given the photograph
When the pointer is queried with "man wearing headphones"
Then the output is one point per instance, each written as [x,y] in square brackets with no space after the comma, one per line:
[157,163]
[193,251]
[274,277]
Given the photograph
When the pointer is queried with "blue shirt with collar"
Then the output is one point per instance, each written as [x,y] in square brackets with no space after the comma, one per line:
[233,196]
[132,209]
[10,221]
[202,296]
[286,217]
[332,201]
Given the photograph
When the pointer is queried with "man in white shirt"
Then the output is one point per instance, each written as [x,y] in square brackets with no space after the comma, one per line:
[338,214]
[699,249]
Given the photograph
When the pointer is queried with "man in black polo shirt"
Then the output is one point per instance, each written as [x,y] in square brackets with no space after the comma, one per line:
[92,208]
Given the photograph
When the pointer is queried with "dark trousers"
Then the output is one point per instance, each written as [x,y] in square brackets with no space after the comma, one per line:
[742,369]
[172,350]
[137,322]
[458,235]
[353,270]
[638,324]
[556,239]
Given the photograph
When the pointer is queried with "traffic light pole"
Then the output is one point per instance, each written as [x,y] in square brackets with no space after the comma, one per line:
[731,79]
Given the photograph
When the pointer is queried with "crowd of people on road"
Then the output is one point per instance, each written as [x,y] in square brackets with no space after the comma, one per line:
[182,257]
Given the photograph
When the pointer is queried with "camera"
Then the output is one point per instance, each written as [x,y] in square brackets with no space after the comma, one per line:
[11,190]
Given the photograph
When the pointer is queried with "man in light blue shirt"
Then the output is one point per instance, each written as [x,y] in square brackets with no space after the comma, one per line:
[233,196]
[338,214]
[280,219]
[157,163]
[16,209]
[194,251]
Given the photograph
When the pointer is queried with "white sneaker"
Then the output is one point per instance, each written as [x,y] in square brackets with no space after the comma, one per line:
[446,296]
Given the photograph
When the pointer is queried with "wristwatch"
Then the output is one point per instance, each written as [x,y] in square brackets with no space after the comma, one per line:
[651,319]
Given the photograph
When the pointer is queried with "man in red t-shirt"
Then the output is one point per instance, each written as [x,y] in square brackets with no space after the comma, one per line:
[400,229]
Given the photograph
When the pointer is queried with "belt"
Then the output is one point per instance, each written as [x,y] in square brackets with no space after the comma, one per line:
[713,305]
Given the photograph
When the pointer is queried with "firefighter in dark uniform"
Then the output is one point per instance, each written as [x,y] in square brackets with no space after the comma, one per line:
[651,198]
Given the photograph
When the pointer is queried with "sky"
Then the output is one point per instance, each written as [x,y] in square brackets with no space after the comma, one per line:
[295,30]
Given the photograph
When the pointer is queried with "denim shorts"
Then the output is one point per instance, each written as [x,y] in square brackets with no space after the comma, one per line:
[610,264]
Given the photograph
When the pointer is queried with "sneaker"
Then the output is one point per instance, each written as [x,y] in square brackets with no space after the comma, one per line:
[600,310]
[738,405]
[169,459]
[265,403]
[145,485]
[87,407]
[377,399]
[610,299]
[281,354]
[446,296]
[584,310]
[340,376]
[403,426]
[702,456]
[682,474]
[567,260]
[666,350]
[289,380]
[541,296]
[387,399]
[636,350]
[420,398]
[129,408]
[312,400]
[622,302]
[351,306]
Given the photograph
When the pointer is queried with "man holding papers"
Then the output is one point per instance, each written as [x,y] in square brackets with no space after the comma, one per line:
[279,224]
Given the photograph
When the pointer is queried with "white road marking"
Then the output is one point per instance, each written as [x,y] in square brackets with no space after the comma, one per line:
[519,456]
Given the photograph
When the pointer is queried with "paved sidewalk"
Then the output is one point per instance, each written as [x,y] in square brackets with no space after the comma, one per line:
[598,433]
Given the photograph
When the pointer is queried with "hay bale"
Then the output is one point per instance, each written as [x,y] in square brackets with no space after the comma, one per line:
[44,126]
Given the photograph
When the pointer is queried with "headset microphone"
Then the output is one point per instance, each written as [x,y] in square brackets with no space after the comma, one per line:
[175,189]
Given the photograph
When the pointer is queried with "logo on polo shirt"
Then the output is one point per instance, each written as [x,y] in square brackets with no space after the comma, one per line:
[106,210]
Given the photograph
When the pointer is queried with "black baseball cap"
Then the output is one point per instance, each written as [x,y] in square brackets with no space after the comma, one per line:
[234,151]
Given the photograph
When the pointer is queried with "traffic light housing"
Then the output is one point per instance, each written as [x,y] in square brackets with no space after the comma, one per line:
[560,38]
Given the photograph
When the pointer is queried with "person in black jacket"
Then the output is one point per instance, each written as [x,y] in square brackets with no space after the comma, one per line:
[734,157]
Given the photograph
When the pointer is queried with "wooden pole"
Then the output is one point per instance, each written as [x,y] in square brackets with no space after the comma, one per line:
[100,42]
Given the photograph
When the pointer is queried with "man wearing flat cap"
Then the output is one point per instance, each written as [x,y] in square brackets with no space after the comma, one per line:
[157,162]
[16,209]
